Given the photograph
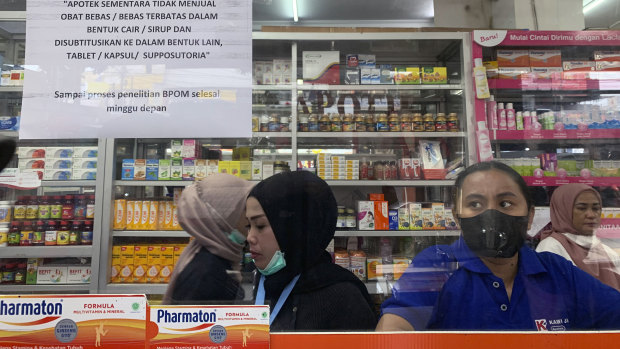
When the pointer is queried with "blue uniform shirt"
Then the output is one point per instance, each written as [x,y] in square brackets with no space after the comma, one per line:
[447,287]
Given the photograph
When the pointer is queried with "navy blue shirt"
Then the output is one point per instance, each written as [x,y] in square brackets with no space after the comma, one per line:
[447,287]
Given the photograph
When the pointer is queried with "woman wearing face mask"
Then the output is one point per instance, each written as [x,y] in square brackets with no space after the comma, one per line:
[213,212]
[488,279]
[575,211]
[292,218]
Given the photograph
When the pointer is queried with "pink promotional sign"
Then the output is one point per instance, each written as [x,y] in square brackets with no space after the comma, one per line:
[490,38]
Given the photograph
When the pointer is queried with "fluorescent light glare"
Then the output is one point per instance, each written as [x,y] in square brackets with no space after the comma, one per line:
[591,5]
[296,18]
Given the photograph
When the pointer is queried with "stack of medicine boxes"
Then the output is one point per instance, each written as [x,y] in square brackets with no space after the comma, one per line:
[335,167]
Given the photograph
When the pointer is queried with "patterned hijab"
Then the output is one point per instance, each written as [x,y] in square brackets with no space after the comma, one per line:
[594,260]
[208,211]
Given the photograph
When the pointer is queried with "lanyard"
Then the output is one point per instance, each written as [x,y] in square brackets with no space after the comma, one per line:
[260,296]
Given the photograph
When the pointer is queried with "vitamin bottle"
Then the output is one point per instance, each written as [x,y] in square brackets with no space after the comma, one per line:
[394,123]
[441,123]
[14,234]
[32,210]
[62,235]
[44,208]
[86,238]
[429,123]
[336,123]
[51,234]
[67,207]
[360,123]
[25,235]
[79,207]
[38,237]
[417,123]
[453,122]
[75,233]
[19,211]
[56,207]
[90,207]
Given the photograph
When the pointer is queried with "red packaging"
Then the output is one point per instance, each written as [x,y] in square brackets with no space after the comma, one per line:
[376,197]
[416,168]
[382,222]
[404,167]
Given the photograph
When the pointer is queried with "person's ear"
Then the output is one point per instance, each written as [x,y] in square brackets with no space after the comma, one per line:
[531,217]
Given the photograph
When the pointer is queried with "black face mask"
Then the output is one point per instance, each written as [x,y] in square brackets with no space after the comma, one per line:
[494,234]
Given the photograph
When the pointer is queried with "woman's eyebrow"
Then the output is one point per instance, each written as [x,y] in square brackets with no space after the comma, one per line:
[474,196]
[256,216]
[507,193]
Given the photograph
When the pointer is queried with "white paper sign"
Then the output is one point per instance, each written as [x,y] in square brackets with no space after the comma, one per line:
[489,38]
[150,68]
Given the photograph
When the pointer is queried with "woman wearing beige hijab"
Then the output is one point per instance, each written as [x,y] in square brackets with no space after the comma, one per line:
[575,211]
[212,211]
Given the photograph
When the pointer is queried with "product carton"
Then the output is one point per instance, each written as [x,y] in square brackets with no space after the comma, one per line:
[154,263]
[57,175]
[366,215]
[267,78]
[375,76]
[178,249]
[126,259]
[611,56]
[352,61]
[352,76]
[367,60]
[235,168]
[545,58]
[84,163]
[365,76]
[357,264]
[407,76]
[393,217]
[140,263]
[34,163]
[492,69]
[163,170]
[257,170]
[513,58]
[547,73]
[382,221]
[190,149]
[415,216]
[387,74]
[428,221]
[139,169]
[212,167]
[403,217]
[115,270]
[400,265]
[176,148]
[54,163]
[282,66]
[31,152]
[152,169]
[245,171]
[376,197]
[514,73]
[321,67]
[608,65]
[86,152]
[78,275]
[84,174]
[176,169]
[51,275]
[434,75]
[59,152]
[450,223]
[200,169]
[438,215]
[224,166]
[374,269]
[9,123]
[167,263]
[267,170]
[189,169]
[578,66]
[31,270]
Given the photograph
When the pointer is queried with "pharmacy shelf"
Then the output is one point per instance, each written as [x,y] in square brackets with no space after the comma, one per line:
[399,233]
[556,135]
[135,288]
[271,87]
[84,183]
[557,84]
[151,233]
[557,181]
[121,183]
[377,183]
[44,288]
[11,89]
[272,134]
[380,134]
[377,87]
[46,251]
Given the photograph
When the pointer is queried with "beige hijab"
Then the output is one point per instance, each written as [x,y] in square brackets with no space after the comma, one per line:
[208,211]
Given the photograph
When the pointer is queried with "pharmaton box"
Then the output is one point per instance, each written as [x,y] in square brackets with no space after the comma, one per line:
[321,67]
[73,321]
[212,327]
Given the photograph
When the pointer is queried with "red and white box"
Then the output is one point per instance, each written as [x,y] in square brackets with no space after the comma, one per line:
[545,58]
[513,58]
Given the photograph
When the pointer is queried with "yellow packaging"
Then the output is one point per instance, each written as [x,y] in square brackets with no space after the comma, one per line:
[415,216]
[161,215]
[120,212]
[224,167]
[438,215]
[178,249]
[175,218]
[407,76]
[167,263]
[153,210]
[140,263]
[434,75]
[169,214]
[116,264]
[373,268]
[235,168]
[428,222]
[246,170]
[127,256]
[400,265]
[154,263]
[137,214]
[144,214]
[129,215]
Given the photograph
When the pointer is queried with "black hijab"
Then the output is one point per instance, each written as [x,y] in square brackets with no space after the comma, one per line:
[302,211]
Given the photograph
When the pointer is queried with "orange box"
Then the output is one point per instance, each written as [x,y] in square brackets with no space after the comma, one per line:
[161,215]
[116,264]
[373,269]
[382,221]
[127,257]
[154,263]
[144,214]
[167,263]
[545,58]
[610,56]
[513,58]
[400,265]
[175,218]
[129,206]
[140,263]
[513,73]
[153,211]
[169,213]
[137,215]
[120,214]
[376,197]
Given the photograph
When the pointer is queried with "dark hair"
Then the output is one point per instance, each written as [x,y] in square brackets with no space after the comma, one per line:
[494,165]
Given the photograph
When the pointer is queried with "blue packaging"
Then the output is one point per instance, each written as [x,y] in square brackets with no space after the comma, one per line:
[9,123]
[152,169]
[393,217]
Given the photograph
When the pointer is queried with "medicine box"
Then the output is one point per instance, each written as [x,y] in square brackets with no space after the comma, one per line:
[163,170]
[126,260]
[84,174]
[513,58]
[612,56]
[154,263]
[321,67]
[545,58]
[393,219]
[415,216]
[78,275]
[382,221]
[257,170]
[608,65]
[9,123]
[235,168]
[374,270]
[140,263]
[245,171]
[58,163]
[547,73]
[190,149]
[428,221]
[176,148]
[450,223]
[434,75]
[578,66]
[85,152]
[366,215]
[387,75]
[26,164]
[152,169]
[367,60]
[139,170]
[352,76]
[90,163]
[375,76]
[200,171]
[400,265]
[47,275]
[512,73]
[366,76]
[212,167]
[59,152]
[403,217]
[408,76]
[189,169]
[352,61]
[267,170]
[57,174]
[176,169]
[31,152]
[438,215]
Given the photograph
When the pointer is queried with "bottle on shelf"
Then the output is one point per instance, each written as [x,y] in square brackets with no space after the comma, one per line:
[44,207]
[62,234]
[441,123]
[79,207]
[348,125]
[20,273]
[405,123]
[453,122]
[32,210]
[511,120]
[67,208]
[4,235]
[75,233]
[360,123]
[382,123]
[38,237]
[25,234]
[303,123]
[429,122]
[51,234]
[90,207]
[325,123]
[86,237]
[8,274]
[501,117]
[313,123]
[14,234]
[371,124]
[394,123]
[492,115]
[56,207]
[19,210]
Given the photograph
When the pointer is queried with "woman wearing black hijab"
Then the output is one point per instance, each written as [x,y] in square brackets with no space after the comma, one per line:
[292,220]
